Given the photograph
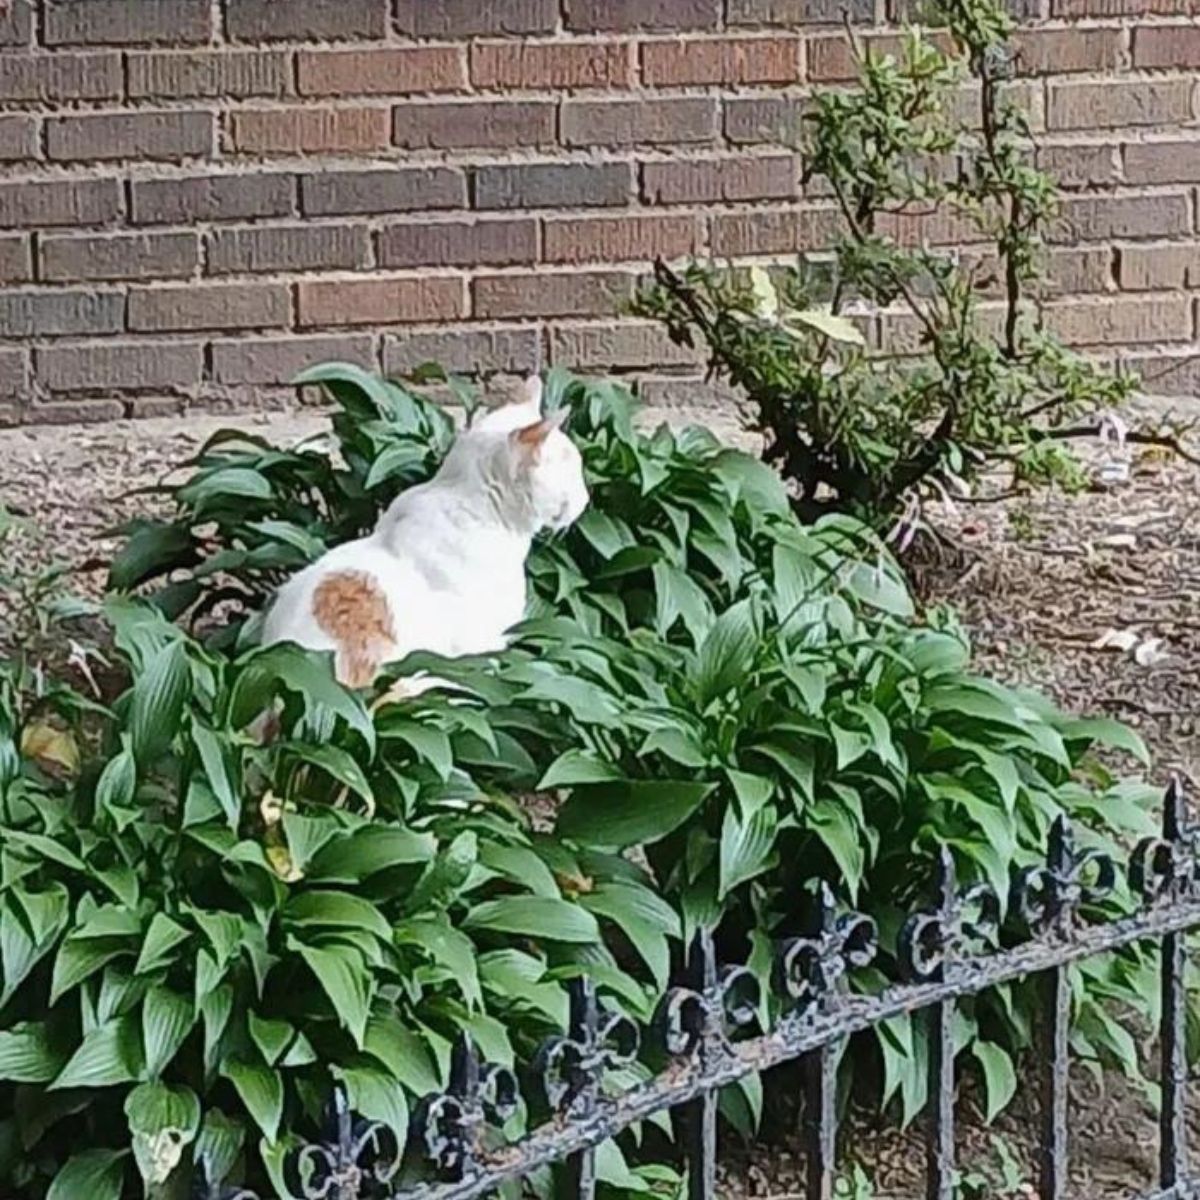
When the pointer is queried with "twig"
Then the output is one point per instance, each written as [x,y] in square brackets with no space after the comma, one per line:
[1166,441]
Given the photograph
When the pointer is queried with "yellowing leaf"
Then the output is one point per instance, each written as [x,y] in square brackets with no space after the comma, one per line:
[43,743]
[766,299]
[282,865]
[839,329]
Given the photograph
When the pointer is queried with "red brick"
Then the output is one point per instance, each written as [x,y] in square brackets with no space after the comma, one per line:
[310,21]
[1061,51]
[59,202]
[546,294]
[1113,322]
[773,232]
[1078,269]
[553,185]
[623,16]
[16,261]
[1098,218]
[679,120]
[41,312]
[288,248]
[1158,268]
[696,62]
[157,135]
[118,22]
[1121,8]
[798,13]
[119,256]
[389,71]
[278,360]
[476,18]
[466,124]
[19,138]
[491,241]
[381,301]
[620,239]
[618,346]
[939,227]
[468,350]
[333,193]
[14,373]
[831,59]
[60,76]
[102,365]
[720,180]
[227,73]
[212,198]
[552,65]
[1114,103]
[209,306]
[310,130]
[1162,162]
[1079,164]
[1166,46]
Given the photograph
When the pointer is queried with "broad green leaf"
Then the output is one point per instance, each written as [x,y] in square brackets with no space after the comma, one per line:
[261,1091]
[373,1094]
[752,791]
[335,762]
[218,1144]
[30,925]
[535,916]
[27,1055]
[746,847]
[443,879]
[999,1077]
[156,707]
[270,1036]
[358,855]
[79,958]
[625,814]
[109,1054]
[403,1053]
[163,1121]
[1110,733]
[118,781]
[163,936]
[93,1174]
[726,656]
[577,766]
[449,948]
[334,909]
[877,586]
[167,1018]
[522,865]
[217,770]
[830,821]
[429,743]
[153,549]
[347,982]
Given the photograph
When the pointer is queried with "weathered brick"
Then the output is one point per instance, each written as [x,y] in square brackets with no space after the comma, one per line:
[546,294]
[831,58]
[494,242]
[679,120]
[314,20]
[59,202]
[119,256]
[227,73]
[278,360]
[333,193]
[773,232]
[553,185]
[135,365]
[720,180]
[212,198]
[118,22]
[137,407]
[37,312]
[1166,46]
[1074,269]
[389,71]
[476,18]
[1114,103]
[310,130]
[1096,218]
[14,372]
[618,346]
[940,227]
[1168,267]
[465,351]
[16,23]
[209,306]
[621,16]
[1162,162]
[78,412]
[19,138]
[552,64]
[381,301]
[758,120]
[1061,51]
[1078,164]
[465,124]
[798,12]
[902,334]
[620,239]
[690,393]
[287,248]
[1083,321]
[1122,8]
[60,76]
[16,261]
[696,62]
[1166,374]
[157,135]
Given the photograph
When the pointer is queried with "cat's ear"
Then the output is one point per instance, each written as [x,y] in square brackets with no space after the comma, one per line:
[532,437]
[531,392]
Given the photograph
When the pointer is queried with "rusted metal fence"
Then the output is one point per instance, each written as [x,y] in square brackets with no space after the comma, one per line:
[947,952]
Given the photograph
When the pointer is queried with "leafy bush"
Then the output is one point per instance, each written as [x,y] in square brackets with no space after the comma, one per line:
[956,384]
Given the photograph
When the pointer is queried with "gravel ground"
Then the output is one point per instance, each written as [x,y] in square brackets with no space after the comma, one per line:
[1095,598]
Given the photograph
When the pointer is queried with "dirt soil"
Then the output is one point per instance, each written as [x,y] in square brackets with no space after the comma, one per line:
[1094,598]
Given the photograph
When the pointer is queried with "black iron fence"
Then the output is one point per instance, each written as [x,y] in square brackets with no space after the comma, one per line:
[947,953]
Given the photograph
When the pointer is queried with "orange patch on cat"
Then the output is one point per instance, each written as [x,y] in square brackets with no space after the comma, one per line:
[352,609]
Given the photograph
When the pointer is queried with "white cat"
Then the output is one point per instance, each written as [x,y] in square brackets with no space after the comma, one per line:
[444,570]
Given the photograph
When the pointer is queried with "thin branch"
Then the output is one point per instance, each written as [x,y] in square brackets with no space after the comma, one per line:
[1166,441]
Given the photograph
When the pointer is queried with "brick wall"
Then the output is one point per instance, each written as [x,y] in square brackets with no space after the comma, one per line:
[198,198]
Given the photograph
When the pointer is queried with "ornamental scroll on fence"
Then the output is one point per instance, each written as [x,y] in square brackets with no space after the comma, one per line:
[946,951]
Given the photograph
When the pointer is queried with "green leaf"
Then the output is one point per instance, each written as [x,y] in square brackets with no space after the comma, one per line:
[1110,733]
[830,821]
[218,1145]
[30,925]
[577,766]
[161,938]
[535,916]
[271,1037]
[344,978]
[644,918]
[726,656]
[366,851]
[403,1053]
[79,958]
[878,587]
[373,1094]
[522,865]
[163,1121]
[335,762]
[118,781]
[999,1077]
[449,948]
[261,1091]
[678,596]
[443,878]
[334,909]
[746,847]
[625,814]
[27,1055]
[156,709]
[167,1018]
[154,548]
[110,1054]
[93,1174]
[752,791]
[429,743]
[215,760]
